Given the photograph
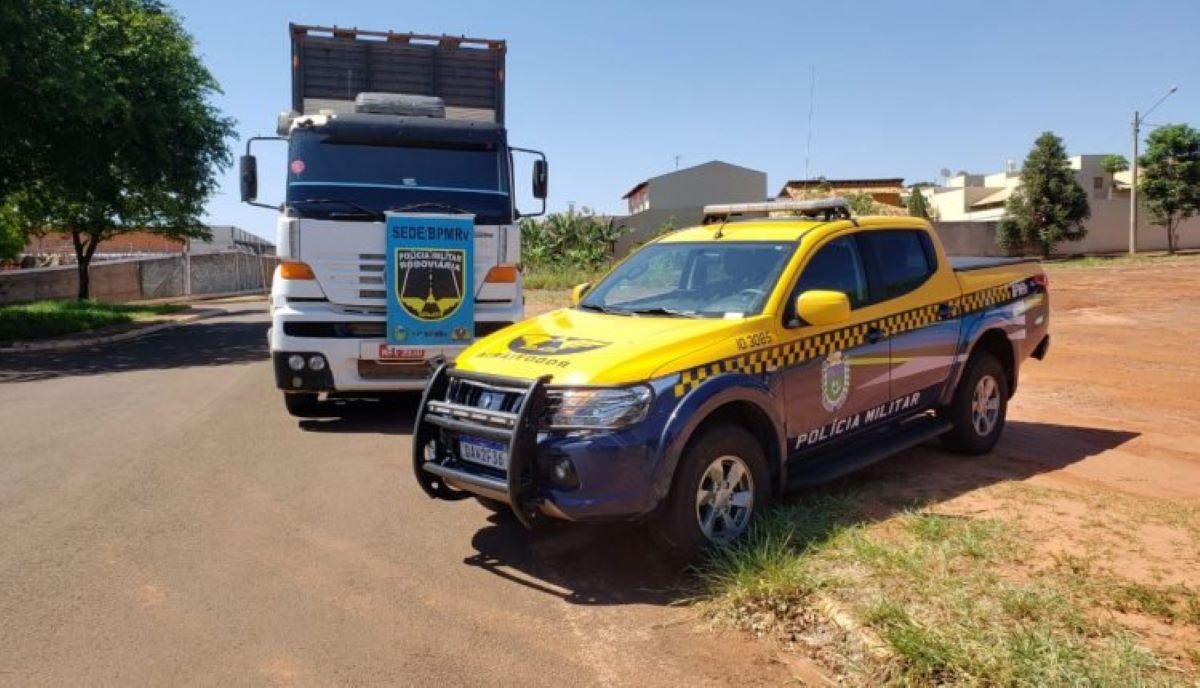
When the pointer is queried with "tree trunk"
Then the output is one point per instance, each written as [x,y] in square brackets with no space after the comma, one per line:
[83,260]
[1170,238]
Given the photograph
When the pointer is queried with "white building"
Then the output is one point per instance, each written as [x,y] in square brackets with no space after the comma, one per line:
[981,198]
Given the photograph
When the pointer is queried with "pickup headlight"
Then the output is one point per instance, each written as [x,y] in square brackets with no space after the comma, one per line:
[606,408]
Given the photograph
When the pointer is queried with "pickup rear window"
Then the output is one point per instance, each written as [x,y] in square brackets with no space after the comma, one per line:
[903,258]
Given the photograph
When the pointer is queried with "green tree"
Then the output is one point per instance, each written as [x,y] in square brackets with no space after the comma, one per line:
[861,203]
[571,239]
[1114,163]
[1049,206]
[117,121]
[918,205]
[1170,177]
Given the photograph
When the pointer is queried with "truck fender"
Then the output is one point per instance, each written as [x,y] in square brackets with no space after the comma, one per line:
[700,403]
[973,330]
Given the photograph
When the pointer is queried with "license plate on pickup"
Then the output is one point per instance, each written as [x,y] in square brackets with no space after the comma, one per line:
[483,452]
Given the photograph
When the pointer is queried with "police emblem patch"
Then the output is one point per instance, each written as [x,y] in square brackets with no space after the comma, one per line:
[430,281]
[835,381]
[547,345]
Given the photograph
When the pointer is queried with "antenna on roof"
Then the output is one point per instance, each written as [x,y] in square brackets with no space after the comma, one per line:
[812,103]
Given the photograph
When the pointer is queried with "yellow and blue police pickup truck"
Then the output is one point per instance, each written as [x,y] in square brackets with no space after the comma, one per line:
[718,366]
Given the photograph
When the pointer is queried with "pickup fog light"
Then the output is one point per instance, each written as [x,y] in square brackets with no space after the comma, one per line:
[598,409]
[296,362]
[316,363]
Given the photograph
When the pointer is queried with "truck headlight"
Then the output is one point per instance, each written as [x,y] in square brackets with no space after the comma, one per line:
[598,409]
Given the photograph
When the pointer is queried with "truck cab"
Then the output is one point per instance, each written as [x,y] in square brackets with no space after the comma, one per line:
[354,159]
[721,365]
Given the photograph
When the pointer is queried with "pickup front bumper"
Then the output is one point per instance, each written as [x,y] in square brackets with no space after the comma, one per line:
[439,423]
[606,475]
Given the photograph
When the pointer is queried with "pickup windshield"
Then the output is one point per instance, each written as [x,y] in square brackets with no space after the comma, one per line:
[470,177]
[706,279]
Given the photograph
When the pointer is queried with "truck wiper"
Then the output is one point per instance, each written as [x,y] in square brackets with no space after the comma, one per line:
[349,204]
[429,206]
[659,310]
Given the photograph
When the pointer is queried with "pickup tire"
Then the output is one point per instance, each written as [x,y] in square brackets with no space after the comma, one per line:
[979,407]
[721,483]
[302,404]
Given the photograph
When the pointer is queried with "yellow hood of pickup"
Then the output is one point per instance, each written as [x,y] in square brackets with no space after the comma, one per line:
[584,348]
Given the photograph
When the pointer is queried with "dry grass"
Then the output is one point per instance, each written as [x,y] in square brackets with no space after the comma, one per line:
[948,599]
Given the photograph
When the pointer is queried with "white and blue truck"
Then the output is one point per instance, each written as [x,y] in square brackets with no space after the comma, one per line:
[394,142]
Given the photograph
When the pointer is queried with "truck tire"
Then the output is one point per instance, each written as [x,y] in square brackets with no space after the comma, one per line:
[301,404]
[721,483]
[979,407]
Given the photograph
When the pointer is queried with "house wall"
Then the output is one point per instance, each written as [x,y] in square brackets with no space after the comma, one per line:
[704,184]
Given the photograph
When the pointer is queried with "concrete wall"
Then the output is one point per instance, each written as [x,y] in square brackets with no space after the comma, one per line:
[646,225]
[133,280]
[1108,232]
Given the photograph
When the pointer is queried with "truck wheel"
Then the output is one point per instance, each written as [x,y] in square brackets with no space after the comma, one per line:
[721,482]
[979,407]
[301,404]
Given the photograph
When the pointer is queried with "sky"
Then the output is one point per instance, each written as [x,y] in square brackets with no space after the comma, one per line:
[613,91]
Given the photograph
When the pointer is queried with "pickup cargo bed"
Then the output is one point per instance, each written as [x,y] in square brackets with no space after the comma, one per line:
[965,263]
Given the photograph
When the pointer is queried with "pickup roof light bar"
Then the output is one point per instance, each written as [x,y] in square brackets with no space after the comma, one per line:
[828,208]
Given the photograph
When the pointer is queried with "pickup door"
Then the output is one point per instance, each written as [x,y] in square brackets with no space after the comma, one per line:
[902,293]
[923,325]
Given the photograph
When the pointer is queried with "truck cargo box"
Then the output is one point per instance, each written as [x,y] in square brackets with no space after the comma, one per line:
[332,65]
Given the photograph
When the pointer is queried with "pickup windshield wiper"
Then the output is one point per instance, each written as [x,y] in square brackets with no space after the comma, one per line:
[659,310]
[349,204]
[602,309]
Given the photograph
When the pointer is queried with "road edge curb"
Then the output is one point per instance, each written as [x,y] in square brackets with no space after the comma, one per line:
[71,344]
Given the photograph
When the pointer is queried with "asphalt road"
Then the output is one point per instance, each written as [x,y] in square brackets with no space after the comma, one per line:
[163,521]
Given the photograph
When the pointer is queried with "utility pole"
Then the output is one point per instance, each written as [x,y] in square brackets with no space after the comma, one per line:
[1138,120]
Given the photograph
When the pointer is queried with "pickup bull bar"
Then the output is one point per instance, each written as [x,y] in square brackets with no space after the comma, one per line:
[439,421]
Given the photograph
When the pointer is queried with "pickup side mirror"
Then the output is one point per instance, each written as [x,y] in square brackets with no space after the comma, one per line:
[578,292]
[248,175]
[541,179]
[823,307]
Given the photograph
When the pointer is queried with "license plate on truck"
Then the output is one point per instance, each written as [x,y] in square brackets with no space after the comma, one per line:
[483,452]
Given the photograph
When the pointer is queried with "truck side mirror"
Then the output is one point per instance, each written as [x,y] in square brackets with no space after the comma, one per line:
[541,179]
[248,175]
[823,307]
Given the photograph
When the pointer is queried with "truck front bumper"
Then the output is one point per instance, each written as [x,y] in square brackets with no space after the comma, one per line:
[326,330]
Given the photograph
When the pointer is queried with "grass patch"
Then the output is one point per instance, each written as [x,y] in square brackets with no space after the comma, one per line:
[943,595]
[560,277]
[1118,260]
[42,319]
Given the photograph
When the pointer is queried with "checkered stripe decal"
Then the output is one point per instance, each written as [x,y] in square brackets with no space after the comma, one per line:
[793,353]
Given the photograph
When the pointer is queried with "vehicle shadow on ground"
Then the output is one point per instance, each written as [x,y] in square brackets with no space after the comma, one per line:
[621,564]
[390,415]
[215,342]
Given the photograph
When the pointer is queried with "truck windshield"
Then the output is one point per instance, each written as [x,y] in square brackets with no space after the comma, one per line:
[468,177]
[706,279]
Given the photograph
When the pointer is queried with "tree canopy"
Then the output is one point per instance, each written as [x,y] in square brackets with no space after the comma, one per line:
[1114,163]
[918,205]
[1170,177]
[117,131]
[1049,206]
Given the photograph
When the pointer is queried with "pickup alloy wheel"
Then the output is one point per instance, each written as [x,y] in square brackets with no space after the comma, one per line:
[721,482]
[725,500]
[979,407]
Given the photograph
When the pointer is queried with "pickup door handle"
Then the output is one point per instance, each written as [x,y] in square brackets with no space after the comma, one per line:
[874,335]
[945,312]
